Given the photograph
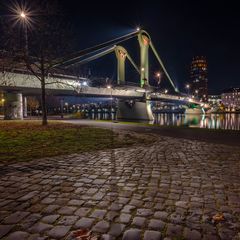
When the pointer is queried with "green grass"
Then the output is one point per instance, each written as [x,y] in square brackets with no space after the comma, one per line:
[21,141]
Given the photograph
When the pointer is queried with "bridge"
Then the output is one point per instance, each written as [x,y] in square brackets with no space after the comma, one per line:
[16,83]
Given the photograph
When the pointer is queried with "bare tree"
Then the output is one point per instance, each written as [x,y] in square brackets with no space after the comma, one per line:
[47,38]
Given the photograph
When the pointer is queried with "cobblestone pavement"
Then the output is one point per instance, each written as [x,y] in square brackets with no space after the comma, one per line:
[169,190]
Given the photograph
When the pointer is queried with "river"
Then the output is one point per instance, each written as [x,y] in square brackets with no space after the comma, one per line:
[228,121]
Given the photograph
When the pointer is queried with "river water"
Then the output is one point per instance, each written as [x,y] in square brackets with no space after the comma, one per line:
[212,121]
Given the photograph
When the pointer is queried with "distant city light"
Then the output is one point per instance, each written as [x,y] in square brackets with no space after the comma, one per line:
[166,91]
[109,86]
[158,74]
[138,28]
[84,83]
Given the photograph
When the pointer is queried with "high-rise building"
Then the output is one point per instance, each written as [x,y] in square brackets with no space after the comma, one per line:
[198,78]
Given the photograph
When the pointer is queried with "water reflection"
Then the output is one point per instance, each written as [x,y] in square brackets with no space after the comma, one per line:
[213,121]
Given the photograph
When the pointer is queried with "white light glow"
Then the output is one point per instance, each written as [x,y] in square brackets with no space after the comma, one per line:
[23,15]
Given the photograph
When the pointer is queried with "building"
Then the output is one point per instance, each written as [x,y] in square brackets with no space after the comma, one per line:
[214,100]
[231,98]
[198,78]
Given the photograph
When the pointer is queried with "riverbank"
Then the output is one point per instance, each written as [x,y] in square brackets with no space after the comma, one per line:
[26,140]
[228,137]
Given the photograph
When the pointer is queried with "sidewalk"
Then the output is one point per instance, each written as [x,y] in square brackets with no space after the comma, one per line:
[170,190]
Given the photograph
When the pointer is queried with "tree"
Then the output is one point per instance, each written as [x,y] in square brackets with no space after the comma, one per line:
[44,37]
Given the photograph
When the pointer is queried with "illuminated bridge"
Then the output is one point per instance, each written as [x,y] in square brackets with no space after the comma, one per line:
[16,83]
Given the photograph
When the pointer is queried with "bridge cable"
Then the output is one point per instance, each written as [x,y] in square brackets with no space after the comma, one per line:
[163,67]
[101,54]
[93,57]
[96,48]
[133,63]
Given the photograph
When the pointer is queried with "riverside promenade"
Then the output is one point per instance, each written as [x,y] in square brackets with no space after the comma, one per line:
[174,188]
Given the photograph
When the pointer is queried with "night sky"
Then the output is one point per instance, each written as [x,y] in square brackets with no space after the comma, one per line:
[179,31]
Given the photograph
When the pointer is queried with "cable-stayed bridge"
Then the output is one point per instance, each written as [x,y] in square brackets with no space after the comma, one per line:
[15,83]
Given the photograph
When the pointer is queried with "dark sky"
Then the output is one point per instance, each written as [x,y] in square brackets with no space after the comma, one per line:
[179,30]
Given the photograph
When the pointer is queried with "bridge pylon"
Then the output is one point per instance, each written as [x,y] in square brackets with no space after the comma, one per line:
[144,42]
[121,55]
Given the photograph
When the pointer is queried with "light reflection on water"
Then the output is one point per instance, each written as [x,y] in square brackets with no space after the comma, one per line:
[213,121]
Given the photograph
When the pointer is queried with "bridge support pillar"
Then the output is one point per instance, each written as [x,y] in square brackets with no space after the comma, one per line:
[24,106]
[121,54]
[144,41]
[13,106]
[134,110]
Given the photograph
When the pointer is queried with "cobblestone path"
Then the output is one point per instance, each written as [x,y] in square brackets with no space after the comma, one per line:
[169,190]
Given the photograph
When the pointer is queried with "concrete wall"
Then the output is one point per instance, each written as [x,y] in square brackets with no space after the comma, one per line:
[135,111]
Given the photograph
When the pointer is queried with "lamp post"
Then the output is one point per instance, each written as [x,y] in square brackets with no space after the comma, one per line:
[158,75]
[196,93]
[188,87]
[66,104]
[61,107]
[23,18]
[110,87]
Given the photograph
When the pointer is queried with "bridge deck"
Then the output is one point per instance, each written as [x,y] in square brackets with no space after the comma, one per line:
[29,84]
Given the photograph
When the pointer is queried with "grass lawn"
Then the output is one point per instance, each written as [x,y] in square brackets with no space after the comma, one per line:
[26,140]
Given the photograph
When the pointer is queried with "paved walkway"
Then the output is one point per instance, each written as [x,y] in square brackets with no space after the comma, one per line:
[169,190]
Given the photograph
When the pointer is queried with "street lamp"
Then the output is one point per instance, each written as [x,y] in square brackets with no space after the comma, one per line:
[158,75]
[188,87]
[166,91]
[110,87]
[196,92]
[23,17]
[66,104]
